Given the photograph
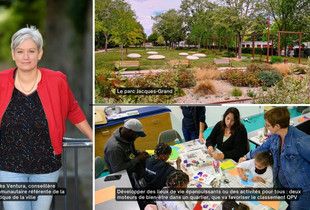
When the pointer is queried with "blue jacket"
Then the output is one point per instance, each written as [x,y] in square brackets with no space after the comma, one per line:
[295,157]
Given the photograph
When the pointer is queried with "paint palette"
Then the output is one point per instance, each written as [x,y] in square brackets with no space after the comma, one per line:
[210,205]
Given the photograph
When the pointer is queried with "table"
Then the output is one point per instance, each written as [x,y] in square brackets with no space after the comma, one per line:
[253,136]
[124,182]
[196,151]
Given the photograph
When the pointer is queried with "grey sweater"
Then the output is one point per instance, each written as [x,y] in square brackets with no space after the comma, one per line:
[120,154]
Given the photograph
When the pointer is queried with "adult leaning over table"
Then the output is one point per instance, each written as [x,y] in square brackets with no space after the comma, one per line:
[35,102]
[229,136]
[290,149]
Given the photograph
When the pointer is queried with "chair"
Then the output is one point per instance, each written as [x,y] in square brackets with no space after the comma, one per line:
[248,147]
[138,183]
[99,166]
[304,127]
[305,111]
[168,136]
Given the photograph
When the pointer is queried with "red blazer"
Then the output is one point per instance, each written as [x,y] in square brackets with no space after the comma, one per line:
[57,100]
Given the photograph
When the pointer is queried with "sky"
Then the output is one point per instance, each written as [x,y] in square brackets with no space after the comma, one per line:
[145,9]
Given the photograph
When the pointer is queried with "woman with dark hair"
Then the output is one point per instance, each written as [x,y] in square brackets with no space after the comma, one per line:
[230,137]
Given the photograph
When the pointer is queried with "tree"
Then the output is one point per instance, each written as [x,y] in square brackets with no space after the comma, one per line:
[15,15]
[153,38]
[291,15]
[196,14]
[170,26]
[241,16]
[124,24]
[137,37]
[103,20]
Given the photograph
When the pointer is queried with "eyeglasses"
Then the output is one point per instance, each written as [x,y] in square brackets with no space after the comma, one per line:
[267,125]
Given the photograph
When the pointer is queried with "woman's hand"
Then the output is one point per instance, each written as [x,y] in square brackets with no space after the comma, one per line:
[217,156]
[244,158]
[201,137]
[210,149]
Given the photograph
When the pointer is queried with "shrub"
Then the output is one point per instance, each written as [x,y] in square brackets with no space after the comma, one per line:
[243,78]
[270,78]
[259,67]
[236,92]
[250,94]
[184,78]
[107,83]
[228,54]
[276,59]
[292,89]
[205,88]
[283,68]
[300,69]
[207,72]
[206,51]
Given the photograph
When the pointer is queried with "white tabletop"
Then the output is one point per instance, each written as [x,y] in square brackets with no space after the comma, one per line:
[195,150]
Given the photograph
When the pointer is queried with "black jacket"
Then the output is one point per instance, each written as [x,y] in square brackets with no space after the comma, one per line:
[234,147]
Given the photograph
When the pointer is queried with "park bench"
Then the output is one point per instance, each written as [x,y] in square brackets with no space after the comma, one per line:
[222,61]
[179,63]
[121,64]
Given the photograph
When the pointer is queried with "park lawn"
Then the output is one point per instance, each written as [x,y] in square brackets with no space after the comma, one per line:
[290,59]
[104,62]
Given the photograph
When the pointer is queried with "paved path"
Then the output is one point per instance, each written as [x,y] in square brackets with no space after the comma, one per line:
[144,72]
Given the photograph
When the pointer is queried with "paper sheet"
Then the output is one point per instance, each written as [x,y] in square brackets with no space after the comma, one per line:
[233,171]
[227,165]
[248,182]
[151,152]
[272,204]
[174,155]
[178,146]
[104,194]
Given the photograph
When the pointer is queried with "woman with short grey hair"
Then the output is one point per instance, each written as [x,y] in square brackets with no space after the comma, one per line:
[35,102]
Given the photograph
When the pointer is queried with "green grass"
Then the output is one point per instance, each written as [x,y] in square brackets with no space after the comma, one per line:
[290,59]
[104,62]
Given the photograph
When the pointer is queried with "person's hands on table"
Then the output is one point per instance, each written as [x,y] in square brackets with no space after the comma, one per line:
[210,149]
[217,156]
[244,177]
[244,158]
[257,179]
[201,138]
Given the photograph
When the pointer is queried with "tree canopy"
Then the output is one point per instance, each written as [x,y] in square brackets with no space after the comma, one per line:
[117,22]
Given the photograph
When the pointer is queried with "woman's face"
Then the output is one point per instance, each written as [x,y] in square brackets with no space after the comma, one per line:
[229,120]
[26,55]
[272,129]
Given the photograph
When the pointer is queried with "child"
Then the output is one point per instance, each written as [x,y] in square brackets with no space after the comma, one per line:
[178,180]
[259,167]
[158,168]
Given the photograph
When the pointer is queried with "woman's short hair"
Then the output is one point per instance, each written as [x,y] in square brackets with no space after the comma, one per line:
[237,122]
[27,33]
[278,115]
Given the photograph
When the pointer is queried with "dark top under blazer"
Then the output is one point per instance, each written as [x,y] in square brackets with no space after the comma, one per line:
[234,147]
